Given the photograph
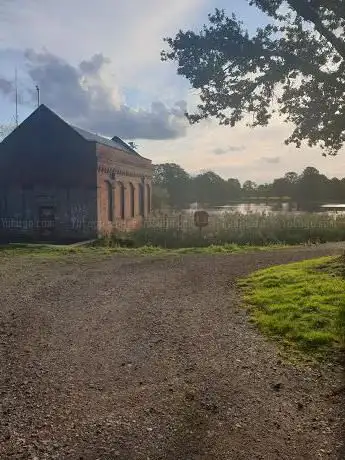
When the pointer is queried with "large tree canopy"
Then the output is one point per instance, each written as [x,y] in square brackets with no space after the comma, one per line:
[294,66]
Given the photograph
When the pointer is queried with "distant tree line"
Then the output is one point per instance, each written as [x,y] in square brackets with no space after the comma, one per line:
[176,188]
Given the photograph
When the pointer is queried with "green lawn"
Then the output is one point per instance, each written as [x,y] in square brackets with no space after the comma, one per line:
[48,250]
[301,305]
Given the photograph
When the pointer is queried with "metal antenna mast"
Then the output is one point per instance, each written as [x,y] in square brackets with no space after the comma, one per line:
[38,95]
[16,83]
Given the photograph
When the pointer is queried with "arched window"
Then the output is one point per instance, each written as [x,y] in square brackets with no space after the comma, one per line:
[148,198]
[110,199]
[132,199]
[141,200]
[122,200]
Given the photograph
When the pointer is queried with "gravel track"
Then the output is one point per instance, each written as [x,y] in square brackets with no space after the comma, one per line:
[153,358]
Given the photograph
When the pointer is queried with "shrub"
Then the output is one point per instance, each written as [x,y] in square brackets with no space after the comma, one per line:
[175,231]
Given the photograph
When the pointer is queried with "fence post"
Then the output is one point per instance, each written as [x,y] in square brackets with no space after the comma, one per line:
[165,229]
[179,228]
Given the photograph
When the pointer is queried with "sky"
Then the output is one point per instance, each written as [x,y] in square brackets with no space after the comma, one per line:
[98,66]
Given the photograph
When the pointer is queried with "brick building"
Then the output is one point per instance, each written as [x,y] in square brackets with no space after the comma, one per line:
[59,182]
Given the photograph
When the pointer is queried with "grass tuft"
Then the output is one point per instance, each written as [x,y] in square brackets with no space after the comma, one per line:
[301,305]
[101,248]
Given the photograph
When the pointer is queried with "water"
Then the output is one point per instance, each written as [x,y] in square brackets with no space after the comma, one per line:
[241,208]
[245,208]
[263,209]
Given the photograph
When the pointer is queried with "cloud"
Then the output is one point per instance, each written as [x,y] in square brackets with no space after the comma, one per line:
[6,86]
[130,34]
[94,65]
[82,95]
[271,160]
[230,149]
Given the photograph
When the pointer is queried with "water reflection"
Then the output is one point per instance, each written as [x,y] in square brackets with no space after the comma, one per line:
[241,208]
[265,209]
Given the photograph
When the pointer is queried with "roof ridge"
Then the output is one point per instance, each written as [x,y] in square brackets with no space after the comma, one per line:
[118,139]
[110,142]
[89,135]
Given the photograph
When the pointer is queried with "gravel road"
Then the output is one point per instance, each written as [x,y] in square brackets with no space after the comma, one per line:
[153,358]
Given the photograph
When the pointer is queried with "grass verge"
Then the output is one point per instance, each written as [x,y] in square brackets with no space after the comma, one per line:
[49,250]
[300,305]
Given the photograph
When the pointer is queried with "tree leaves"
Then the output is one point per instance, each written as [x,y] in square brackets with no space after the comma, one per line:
[300,55]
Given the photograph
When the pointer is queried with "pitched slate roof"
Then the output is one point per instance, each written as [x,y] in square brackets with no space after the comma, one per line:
[116,142]
[121,142]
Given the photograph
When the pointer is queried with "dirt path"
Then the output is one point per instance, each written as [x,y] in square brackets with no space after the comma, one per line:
[152,359]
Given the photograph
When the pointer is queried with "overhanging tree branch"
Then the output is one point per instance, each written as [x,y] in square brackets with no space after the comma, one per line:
[237,74]
[307,12]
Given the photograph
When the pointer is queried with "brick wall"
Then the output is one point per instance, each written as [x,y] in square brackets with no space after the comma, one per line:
[118,168]
[46,163]
[74,208]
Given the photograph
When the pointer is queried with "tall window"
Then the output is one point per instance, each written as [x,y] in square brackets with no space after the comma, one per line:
[110,201]
[148,198]
[141,200]
[132,199]
[122,200]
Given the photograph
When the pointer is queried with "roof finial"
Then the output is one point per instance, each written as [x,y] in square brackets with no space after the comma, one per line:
[38,95]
